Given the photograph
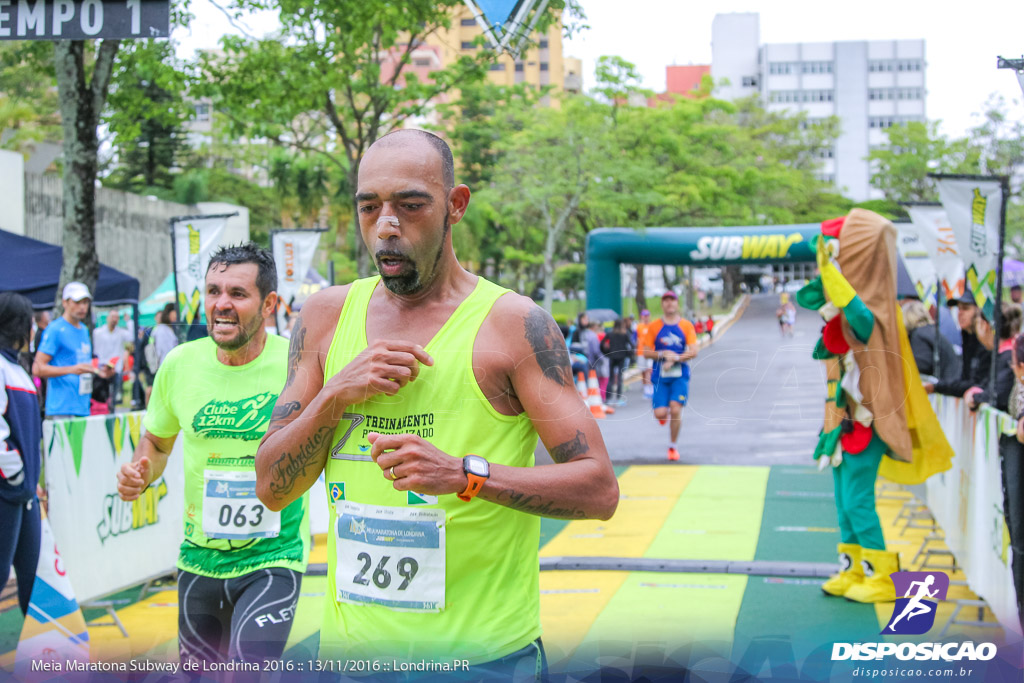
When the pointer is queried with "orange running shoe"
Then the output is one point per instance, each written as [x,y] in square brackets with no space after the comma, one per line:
[662,422]
[673,454]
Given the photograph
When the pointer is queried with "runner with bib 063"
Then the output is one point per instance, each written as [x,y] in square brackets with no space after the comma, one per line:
[240,563]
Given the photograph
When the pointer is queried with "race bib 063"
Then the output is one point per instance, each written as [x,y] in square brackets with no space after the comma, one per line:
[232,510]
[390,556]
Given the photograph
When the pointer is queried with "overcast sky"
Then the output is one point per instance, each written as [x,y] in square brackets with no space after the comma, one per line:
[961,41]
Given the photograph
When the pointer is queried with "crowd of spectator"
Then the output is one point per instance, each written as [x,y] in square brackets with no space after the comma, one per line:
[965,370]
[610,349]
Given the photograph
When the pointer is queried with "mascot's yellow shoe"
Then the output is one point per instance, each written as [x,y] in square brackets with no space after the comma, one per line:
[850,573]
[877,585]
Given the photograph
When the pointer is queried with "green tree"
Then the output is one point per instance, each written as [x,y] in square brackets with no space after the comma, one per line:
[337,76]
[571,278]
[549,169]
[1015,229]
[84,70]
[618,82]
[218,184]
[914,150]
[999,142]
[146,116]
[476,124]
[28,95]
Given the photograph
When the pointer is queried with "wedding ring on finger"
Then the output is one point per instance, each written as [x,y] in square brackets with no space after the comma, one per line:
[391,473]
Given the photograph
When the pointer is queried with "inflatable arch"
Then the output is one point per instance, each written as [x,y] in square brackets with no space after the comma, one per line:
[607,248]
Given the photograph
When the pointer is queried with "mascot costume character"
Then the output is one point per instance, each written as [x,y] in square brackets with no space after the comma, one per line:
[877,417]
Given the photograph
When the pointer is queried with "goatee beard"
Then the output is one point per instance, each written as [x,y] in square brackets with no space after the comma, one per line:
[409,283]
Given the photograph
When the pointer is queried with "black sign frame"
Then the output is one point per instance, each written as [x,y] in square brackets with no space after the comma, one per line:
[84,19]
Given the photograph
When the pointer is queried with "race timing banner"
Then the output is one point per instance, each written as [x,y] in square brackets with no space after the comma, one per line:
[293,255]
[195,238]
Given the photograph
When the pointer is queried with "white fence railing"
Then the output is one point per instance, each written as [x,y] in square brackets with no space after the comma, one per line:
[967,502]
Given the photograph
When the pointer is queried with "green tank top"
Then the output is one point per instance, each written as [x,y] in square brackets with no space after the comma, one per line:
[412,576]
[222,412]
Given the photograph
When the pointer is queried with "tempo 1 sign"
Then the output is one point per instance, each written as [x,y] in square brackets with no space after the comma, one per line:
[83,19]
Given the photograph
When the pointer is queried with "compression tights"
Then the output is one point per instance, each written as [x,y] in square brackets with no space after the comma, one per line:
[246,618]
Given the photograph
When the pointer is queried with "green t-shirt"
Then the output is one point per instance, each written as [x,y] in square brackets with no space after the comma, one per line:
[223,412]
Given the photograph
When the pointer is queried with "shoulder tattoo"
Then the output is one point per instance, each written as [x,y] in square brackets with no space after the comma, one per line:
[295,348]
[548,346]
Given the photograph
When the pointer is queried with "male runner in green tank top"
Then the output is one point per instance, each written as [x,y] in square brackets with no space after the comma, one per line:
[240,563]
[421,395]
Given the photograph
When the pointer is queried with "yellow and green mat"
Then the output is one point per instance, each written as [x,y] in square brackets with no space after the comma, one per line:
[630,619]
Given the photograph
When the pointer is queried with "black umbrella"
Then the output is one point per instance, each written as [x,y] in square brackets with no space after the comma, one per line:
[602,315]
[905,288]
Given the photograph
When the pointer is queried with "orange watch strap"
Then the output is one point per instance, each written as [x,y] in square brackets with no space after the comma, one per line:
[476,482]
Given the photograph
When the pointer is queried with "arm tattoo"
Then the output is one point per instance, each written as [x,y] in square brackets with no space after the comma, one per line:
[548,347]
[295,348]
[565,452]
[280,413]
[535,505]
[294,464]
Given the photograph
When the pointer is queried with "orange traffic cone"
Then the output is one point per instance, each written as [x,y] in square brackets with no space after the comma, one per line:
[581,387]
[594,397]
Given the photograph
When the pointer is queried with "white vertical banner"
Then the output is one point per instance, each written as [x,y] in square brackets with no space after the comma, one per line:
[939,241]
[919,266]
[974,207]
[293,255]
[195,238]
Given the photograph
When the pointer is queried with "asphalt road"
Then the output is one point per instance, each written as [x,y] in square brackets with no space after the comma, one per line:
[756,398]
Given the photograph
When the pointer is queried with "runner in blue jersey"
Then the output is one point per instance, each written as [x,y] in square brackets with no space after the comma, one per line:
[671,343]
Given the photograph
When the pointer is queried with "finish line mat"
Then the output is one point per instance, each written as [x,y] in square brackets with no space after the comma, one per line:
[640,623]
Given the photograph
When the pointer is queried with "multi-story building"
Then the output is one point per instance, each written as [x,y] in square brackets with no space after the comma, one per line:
[573,70]
[540,64]
[870,85]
